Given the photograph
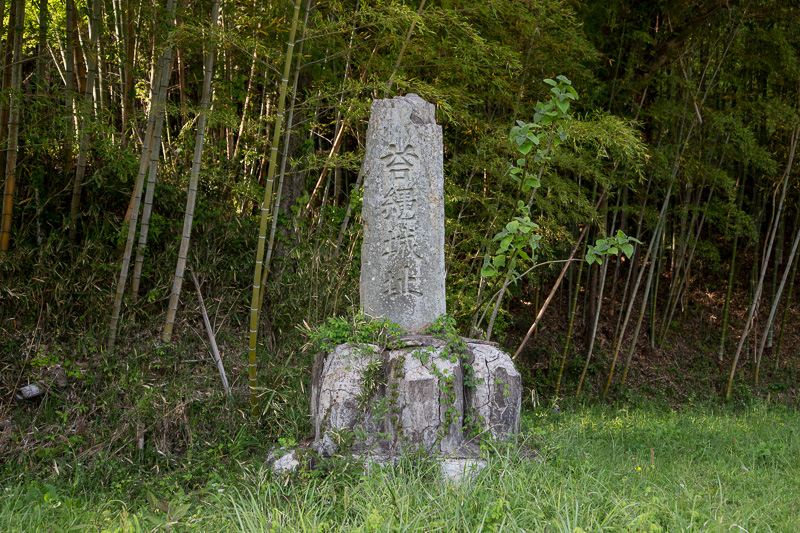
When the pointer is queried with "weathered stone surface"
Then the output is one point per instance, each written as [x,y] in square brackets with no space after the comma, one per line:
[497,395]
[457,471]
[287,462]
[402,256]
[426,394]
[336,397]
[421,398]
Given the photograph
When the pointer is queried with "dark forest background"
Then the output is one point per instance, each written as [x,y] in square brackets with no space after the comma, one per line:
[674,121]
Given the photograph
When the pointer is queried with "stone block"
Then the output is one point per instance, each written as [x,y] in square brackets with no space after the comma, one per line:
[496,397]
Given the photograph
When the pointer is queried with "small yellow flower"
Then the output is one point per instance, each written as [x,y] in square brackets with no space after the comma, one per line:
[639,468]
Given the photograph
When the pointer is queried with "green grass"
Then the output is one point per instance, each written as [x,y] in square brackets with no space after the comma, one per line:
[599,468]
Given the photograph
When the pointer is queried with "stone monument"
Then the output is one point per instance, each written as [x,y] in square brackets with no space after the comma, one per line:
[402,257]
[439,392]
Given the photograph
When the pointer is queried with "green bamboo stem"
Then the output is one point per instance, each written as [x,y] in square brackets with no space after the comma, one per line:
[194,176]
[266,211]
[284,160]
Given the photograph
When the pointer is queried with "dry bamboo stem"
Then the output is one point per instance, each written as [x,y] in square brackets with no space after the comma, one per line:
[767,251]
[194,178]
[211,338]
[776,300]
[147,147]
[147,209]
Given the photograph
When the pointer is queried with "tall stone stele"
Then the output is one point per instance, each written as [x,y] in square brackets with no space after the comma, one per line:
[402,257]
[420,391]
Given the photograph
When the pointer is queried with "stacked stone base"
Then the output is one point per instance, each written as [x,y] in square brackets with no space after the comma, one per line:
[380,400]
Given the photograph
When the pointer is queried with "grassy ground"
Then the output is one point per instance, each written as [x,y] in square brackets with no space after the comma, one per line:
[647,469]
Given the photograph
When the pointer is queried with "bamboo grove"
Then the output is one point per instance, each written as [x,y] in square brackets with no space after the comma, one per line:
[144,139]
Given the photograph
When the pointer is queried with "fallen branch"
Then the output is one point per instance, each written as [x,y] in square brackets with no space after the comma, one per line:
[211,338]
[558,282]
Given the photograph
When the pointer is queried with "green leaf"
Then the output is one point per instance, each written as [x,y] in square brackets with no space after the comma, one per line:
[499,261]
[548,81]
[627,249]
[525,147]
[488,272]
[532,182]
[504,244]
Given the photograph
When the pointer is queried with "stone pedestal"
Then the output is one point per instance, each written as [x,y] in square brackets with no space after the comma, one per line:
[418,396]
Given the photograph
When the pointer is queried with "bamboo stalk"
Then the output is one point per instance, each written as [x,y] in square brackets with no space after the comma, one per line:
[555,286]
[284,160]
[13,128]
[147,147]
[632,347]
[265,212]
[767,250]
[732,269]
[147,209]
[569,331]
[682,280]
[788,303]
[594,330]
[69,78]
[83,140]
[635,288]
[774,308]
[194,178]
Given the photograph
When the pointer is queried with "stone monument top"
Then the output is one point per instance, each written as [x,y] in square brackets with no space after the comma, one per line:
[402,256]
